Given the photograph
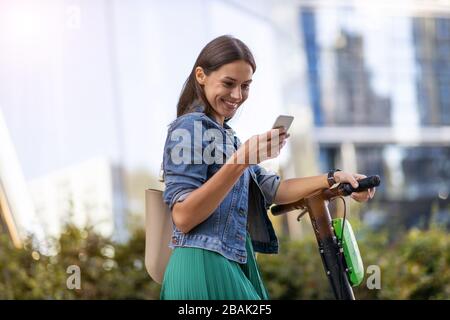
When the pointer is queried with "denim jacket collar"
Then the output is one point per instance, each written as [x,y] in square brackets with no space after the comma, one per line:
[226,127]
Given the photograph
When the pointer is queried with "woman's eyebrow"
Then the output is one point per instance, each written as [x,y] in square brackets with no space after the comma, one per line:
[232,79]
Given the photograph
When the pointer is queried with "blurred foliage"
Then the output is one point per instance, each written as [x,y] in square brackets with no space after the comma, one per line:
[415,266]
[108,270]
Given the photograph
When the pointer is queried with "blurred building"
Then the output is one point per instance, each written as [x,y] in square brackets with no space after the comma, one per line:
[83,80]
[85,194]
[356,103]
[379,89]
[368,87]
[17,215]
[7,223]
[432,54]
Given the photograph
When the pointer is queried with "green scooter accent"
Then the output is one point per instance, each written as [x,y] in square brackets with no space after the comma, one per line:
[352,256]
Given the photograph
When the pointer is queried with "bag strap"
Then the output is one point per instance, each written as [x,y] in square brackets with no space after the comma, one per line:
[161,173]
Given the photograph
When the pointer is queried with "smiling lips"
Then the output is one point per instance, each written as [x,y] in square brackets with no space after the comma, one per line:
[229,105]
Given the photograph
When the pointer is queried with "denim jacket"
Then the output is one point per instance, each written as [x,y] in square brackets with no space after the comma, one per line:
[244,208]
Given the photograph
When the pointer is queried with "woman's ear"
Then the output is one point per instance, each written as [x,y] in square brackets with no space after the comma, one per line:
[200,75]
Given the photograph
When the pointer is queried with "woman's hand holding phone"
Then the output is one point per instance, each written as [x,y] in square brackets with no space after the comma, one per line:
[260,147]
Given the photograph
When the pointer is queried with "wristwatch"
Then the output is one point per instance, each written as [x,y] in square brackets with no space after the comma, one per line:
[330,178]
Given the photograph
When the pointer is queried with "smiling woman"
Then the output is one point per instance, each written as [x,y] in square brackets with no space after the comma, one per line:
[220,79]
[213,255]
[219,209]
[226,88]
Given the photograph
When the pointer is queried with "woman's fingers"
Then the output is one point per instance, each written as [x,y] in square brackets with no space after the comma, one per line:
[273,142]
[265,146]
[370,192]
[346,177]
[360,196]
[358,176]
[274,133]
[364,195]
[353,180]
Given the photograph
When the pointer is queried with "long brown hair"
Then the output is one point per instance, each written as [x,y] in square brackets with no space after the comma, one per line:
[220,51]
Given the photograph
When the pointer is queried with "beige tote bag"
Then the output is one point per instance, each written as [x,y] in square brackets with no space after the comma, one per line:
[158,231]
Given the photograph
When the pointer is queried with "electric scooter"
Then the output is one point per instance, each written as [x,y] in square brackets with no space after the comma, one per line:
[337,244]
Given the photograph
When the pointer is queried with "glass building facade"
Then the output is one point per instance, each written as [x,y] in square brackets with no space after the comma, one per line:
[432,56]
[394,88]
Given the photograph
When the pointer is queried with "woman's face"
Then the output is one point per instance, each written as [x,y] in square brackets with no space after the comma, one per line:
[226,88]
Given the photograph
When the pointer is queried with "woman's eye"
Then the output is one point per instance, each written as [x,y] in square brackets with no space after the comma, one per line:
[228,84]
[245,86]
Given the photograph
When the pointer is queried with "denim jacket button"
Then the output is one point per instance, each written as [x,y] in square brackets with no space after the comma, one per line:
[174,240]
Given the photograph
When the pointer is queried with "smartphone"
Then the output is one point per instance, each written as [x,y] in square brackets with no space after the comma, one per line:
[283,121]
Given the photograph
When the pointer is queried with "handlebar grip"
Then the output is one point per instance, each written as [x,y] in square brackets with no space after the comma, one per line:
[363,184]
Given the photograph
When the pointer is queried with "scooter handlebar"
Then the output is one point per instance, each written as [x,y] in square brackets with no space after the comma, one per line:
[344,189]
[363,185]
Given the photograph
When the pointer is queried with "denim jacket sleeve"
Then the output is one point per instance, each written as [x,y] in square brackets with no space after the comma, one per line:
[183,171]
[268,183]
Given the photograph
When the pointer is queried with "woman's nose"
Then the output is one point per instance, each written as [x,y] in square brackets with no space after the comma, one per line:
[236,93]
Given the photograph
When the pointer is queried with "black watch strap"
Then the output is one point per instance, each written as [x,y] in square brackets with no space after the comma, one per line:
[331,180]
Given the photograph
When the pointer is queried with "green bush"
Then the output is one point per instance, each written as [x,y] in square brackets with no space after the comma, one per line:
[415,266]
[108,270]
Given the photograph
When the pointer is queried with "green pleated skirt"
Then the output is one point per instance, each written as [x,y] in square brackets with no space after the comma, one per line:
[200,274]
